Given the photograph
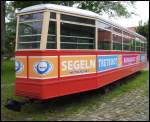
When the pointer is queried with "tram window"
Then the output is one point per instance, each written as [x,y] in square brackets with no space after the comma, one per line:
[29,38]
[126,33]
[117,42]
[133,45]
[145,47]
[104,39]
[30,28]
[77,19]
[77,36]
[142,47]
[51,40]
[53,15]
[117,30]
[30,17]
[103,25]
[126,43]
[138,45]
[29,45]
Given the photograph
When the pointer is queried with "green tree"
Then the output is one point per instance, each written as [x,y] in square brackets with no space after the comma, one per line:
[10,30]
[143,29]
[2,28]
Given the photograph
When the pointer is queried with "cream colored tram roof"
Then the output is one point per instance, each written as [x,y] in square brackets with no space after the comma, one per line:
[73,10]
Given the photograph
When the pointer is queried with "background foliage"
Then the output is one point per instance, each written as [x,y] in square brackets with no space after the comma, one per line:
[143,29]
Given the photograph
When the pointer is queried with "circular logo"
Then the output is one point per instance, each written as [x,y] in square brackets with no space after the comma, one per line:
[19,66]
[43,67]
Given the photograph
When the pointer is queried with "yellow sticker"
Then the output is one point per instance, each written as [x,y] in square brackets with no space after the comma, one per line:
[120,60]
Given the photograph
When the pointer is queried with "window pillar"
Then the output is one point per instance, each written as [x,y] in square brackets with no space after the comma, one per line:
[122,39]
[17,33]
[45,28]
[111,48]
[58,30]
[96,38]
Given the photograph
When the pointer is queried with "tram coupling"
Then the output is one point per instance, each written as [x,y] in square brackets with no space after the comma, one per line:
[16,105]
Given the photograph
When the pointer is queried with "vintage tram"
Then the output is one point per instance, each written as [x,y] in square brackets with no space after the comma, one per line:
[64,50]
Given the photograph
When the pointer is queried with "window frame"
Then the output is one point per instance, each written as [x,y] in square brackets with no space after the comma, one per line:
[58,13]
[118,34]
[82,24]
[17,28]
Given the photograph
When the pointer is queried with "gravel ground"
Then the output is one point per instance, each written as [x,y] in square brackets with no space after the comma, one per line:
[129,106]
[132,106]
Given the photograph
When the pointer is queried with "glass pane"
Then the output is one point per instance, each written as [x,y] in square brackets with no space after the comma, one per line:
[138,48]
[117,39]
[29,17]
[126,47]
[51,46]
[117,30]
[68,46]
[30,28]
[133,45]
[77,19]
[138,43]
[74,36]
[28,45]
[68,39]
[103,25]
[104,45]
[77,30]
[85,40]
[52,28]
[117,46]
[104,39]
[126,33]
[29,38]
[85,46]
[53,15]
[51,40]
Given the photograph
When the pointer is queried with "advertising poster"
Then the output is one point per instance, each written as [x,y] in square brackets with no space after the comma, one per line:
[21,66]
[107,62]
[129,59]
[77,65]
[143,58]
[45,67]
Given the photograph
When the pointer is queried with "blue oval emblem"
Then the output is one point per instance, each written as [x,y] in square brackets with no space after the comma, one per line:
[19,66]
[43,67]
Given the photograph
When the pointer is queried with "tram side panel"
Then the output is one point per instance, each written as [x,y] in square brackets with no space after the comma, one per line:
[76,73]
[45,76]
[116,66]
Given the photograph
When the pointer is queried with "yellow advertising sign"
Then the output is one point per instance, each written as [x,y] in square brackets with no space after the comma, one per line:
[43,67]
[21,66]
[77,65]
[120,60]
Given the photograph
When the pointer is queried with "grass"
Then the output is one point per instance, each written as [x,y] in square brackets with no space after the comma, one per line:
[64,106]
[8,72]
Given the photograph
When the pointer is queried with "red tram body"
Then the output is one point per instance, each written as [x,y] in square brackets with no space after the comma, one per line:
[49,88]
[43,73]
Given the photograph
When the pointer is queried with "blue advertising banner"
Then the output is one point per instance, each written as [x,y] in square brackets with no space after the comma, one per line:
[142,57]
[106,62]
